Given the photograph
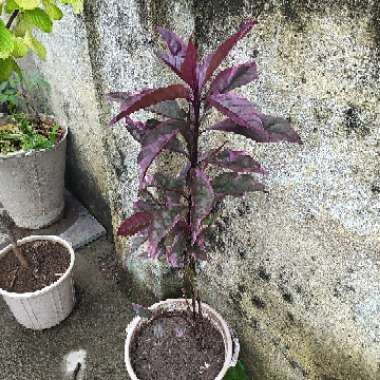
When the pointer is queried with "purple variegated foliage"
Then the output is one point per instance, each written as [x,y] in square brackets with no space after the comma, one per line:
[172,221]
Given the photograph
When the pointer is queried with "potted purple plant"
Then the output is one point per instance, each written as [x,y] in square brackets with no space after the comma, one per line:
[186,338]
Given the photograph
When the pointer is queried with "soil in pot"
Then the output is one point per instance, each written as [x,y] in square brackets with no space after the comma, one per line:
[174,347]
[48,261]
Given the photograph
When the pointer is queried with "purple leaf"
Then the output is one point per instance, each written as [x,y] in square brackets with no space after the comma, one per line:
[163,182]
[177,251]
[164,221]
[145,202]
[150,97]
[139,239]
[173,198]
[183,173]
[235,184]
[153,144]
[137,129]
[235,160]
[234,77]
[140,130]
[173,62]
[135,223]
[173,188]
[142,311]
[198,249]
[189,66]
[242,112]
[276,130]
[154,96]
[213,60]
[168,108]
[175,145]
[176,45]
[280,129]
[202,196]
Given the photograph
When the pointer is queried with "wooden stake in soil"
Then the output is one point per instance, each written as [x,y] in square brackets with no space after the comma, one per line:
[7,222]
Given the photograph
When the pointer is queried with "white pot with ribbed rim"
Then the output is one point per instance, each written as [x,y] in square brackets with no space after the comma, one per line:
[46,307]
[231,342]
[32,184]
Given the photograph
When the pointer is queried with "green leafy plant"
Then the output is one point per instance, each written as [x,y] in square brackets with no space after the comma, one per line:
[8,96]
[16,34]
[23,128]
[22,134]
[237,373]
[24,94]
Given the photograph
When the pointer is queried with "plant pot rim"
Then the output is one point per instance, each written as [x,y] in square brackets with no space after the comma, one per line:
[46,289]
[28,153]
[231,345]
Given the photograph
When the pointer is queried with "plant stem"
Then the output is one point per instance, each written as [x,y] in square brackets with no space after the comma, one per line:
[190,262]
[9,225]
[12,18]
[197,122]
[17,251]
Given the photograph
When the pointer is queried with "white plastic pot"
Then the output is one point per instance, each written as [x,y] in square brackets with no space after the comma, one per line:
[32,185]
[231,343]
[49,306]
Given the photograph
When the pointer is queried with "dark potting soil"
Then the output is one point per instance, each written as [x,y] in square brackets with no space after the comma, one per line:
[47,260]
[174,347]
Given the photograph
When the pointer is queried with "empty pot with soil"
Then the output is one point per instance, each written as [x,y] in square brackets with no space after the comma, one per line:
[32,168]
[39,293]
[170,344]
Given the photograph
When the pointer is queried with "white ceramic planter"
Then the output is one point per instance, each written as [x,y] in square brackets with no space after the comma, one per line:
[231,344]
[32,185]
[49,306]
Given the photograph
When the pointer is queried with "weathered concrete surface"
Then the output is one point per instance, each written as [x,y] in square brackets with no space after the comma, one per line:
[296,272]
[94,333]
[125,61]
[74,101]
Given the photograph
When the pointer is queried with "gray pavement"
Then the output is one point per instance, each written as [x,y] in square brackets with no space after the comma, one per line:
[93,334]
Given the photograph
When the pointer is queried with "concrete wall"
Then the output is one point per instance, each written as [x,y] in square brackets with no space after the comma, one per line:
[296,272]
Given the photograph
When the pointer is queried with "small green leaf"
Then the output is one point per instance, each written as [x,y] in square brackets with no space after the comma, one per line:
[40,19]
[11,6]
[23,25]
[77,5]
[16,69]
[6,68]
[52,10]
[21,48]
[52,137]
[28,4]
[7,42]
[236,373]
[35,45]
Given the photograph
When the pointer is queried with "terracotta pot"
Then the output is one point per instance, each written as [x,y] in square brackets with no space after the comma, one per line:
[231,343]
[32,184]
[49,306]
